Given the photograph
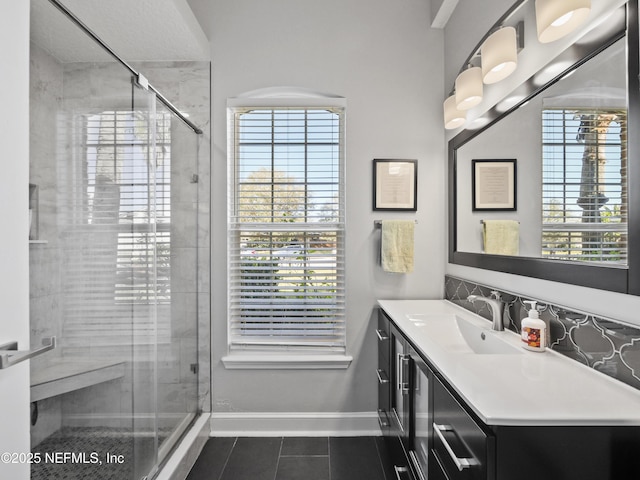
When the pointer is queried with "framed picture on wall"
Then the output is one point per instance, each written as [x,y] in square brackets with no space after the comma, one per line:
[494,185]
[395,185]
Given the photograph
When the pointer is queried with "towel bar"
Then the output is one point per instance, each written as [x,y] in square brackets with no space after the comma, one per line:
[10,355]
[378,223]
[482,221]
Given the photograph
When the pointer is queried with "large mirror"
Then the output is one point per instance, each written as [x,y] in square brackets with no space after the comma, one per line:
[546,189]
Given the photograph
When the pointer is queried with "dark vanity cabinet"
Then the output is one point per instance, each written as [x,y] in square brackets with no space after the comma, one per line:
[393,393]
[428,433]
[411,400]
[404,402]
[432,434]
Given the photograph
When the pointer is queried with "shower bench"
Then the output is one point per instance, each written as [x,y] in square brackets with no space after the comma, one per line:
[63,375]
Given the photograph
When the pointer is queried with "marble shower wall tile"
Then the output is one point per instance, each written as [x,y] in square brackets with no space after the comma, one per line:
[600,343]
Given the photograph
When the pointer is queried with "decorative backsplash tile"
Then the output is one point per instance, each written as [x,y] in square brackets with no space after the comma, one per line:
[600,343]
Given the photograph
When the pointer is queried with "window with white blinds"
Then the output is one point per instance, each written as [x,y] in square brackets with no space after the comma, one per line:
[584,192]
[116,243]
[286,247]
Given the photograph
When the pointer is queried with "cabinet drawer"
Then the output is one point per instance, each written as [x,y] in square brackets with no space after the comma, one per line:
[382,334]
[384,395]
[460,447]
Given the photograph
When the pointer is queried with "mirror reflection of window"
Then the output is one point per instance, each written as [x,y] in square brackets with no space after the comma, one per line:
[584,162]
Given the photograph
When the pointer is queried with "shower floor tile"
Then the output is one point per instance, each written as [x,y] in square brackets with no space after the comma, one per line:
[80,453]
[96,453]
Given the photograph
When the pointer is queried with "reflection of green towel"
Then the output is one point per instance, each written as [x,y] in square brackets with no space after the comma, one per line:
[501,237]
[397,245]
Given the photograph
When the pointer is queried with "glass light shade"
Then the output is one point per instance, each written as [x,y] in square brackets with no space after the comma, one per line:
[499,55]
[453,118]
[555,19]
[469,88]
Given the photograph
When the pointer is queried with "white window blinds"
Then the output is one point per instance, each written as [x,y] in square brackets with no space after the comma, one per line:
[116,241]
[584,185]
[286,250]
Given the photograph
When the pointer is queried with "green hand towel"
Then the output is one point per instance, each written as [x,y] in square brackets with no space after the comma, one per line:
[397,246]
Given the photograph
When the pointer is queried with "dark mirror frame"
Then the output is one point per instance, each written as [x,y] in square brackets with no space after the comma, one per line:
[611,278]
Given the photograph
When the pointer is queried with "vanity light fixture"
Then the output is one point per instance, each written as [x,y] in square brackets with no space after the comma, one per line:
[555,19]
[499,55]
[453,117]
[469,88]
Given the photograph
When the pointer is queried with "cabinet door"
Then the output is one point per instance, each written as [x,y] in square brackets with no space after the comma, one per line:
[461,448]
[400,389]
[398,433]
[421,415]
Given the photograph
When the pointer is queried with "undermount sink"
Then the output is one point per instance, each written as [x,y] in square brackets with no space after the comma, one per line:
[459,335]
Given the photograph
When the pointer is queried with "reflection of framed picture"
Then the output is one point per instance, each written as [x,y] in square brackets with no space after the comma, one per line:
[395,185]
[494,184]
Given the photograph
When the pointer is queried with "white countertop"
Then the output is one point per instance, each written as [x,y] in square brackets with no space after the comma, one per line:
[528,389]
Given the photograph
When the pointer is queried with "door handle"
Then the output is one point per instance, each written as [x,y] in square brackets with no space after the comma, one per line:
[10,355]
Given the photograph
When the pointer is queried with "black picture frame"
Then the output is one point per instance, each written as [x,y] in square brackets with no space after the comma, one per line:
[494,185]
[395,185]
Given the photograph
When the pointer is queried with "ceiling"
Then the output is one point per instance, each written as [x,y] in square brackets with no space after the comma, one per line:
[441,11]
[140,30]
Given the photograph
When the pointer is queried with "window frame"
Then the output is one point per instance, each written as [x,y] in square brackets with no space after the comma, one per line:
[558,142]
[282,355]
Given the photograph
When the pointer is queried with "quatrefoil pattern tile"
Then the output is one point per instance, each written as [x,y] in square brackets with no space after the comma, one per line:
[602,344]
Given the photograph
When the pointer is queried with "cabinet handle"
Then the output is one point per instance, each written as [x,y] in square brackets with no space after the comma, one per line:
[401,362]
[382,335]
[384,422]
[400,472]
[400,372]
[416,464]
[461,463]
[382,376]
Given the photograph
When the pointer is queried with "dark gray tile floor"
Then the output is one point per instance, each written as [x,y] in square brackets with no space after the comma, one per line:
[291,458]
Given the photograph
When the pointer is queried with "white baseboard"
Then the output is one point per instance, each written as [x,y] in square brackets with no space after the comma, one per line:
[294,424]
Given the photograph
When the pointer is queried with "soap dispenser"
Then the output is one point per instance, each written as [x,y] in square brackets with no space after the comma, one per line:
[533,330]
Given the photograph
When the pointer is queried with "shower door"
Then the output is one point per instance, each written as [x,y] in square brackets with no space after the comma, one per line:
[164,269]
[113,264]
[81,146]
[143,261]
[177,277]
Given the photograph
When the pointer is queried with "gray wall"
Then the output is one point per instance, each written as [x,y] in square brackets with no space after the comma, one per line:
[386,61]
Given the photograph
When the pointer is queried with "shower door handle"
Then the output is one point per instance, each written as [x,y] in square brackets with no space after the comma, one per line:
[10,355]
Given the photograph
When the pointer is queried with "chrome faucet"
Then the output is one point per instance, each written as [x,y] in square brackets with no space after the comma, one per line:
[496,308]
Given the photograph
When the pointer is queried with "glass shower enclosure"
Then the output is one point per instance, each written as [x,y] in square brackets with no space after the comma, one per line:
[113,262]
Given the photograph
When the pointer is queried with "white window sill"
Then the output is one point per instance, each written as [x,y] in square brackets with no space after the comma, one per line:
[270,361]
